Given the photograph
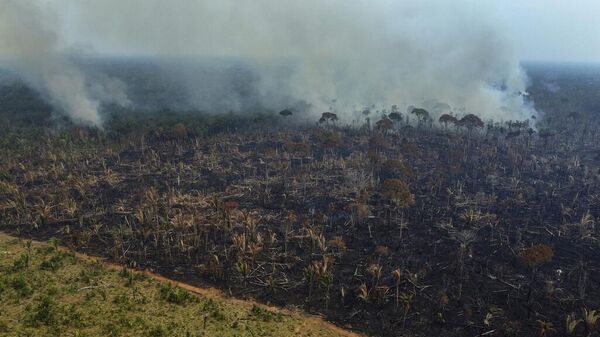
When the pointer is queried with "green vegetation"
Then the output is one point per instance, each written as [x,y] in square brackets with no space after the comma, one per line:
[48,292]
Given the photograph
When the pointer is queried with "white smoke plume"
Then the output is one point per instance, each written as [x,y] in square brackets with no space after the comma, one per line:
[332,54]
[30,42]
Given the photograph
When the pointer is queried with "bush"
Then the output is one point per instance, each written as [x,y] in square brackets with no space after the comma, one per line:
[52,264]
[43,313]
[111,330]
[265,315]
[174,295]
[157,331]
[21,262]
[72,317]
[90,273]
[20,285]
[131,277]
[213,310]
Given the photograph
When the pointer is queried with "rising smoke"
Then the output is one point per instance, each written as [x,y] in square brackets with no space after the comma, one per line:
[30,42]
[331,54]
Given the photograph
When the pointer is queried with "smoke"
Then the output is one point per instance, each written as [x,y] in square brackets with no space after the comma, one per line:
[30,42]
[339,55]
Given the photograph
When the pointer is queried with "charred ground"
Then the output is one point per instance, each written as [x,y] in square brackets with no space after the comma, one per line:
[421,229]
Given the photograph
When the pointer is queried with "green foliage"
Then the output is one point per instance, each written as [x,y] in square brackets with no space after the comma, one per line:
[21,262]
[131,277]
[89,274]
[54,263]
[174,295]
[71,316]
[44,312]
[265,315]
[21,286]
[111,330]
[45,250]
[157,331]
[4,327]
[85,299]
[52,291]
[78,333]
[213,310]
[54,243]
[124,273]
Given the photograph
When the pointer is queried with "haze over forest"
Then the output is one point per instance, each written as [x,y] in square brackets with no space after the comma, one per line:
[311,55]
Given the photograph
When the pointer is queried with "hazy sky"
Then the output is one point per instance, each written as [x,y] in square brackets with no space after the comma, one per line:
[556,30]
[553,30]
[465,53]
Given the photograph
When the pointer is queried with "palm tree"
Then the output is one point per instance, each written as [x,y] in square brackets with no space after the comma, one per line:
[571,323]
[362,293]
[590,318]
[465,238]
[545,328]
[375,271]
[471,122]
[384,125]
[395,115]
[285,113]
[447,119]
[422,115]
[325,276]
[327,117]
[310,275]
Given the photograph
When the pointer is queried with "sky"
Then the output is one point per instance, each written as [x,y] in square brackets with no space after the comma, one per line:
[539,30]
[552,30]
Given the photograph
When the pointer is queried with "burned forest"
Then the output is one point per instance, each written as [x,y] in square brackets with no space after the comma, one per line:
[404,224]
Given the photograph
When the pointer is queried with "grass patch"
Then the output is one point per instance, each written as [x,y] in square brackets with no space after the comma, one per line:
[4,327]
[213,310]
[131,277]
[20,286]
[47,292]
[265,315]
[53,263]
[21,262]
[175,295]
[42,313]
[157,331]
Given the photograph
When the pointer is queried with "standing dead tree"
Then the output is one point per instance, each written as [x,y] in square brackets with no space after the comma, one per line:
[471,122]
[446,119]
